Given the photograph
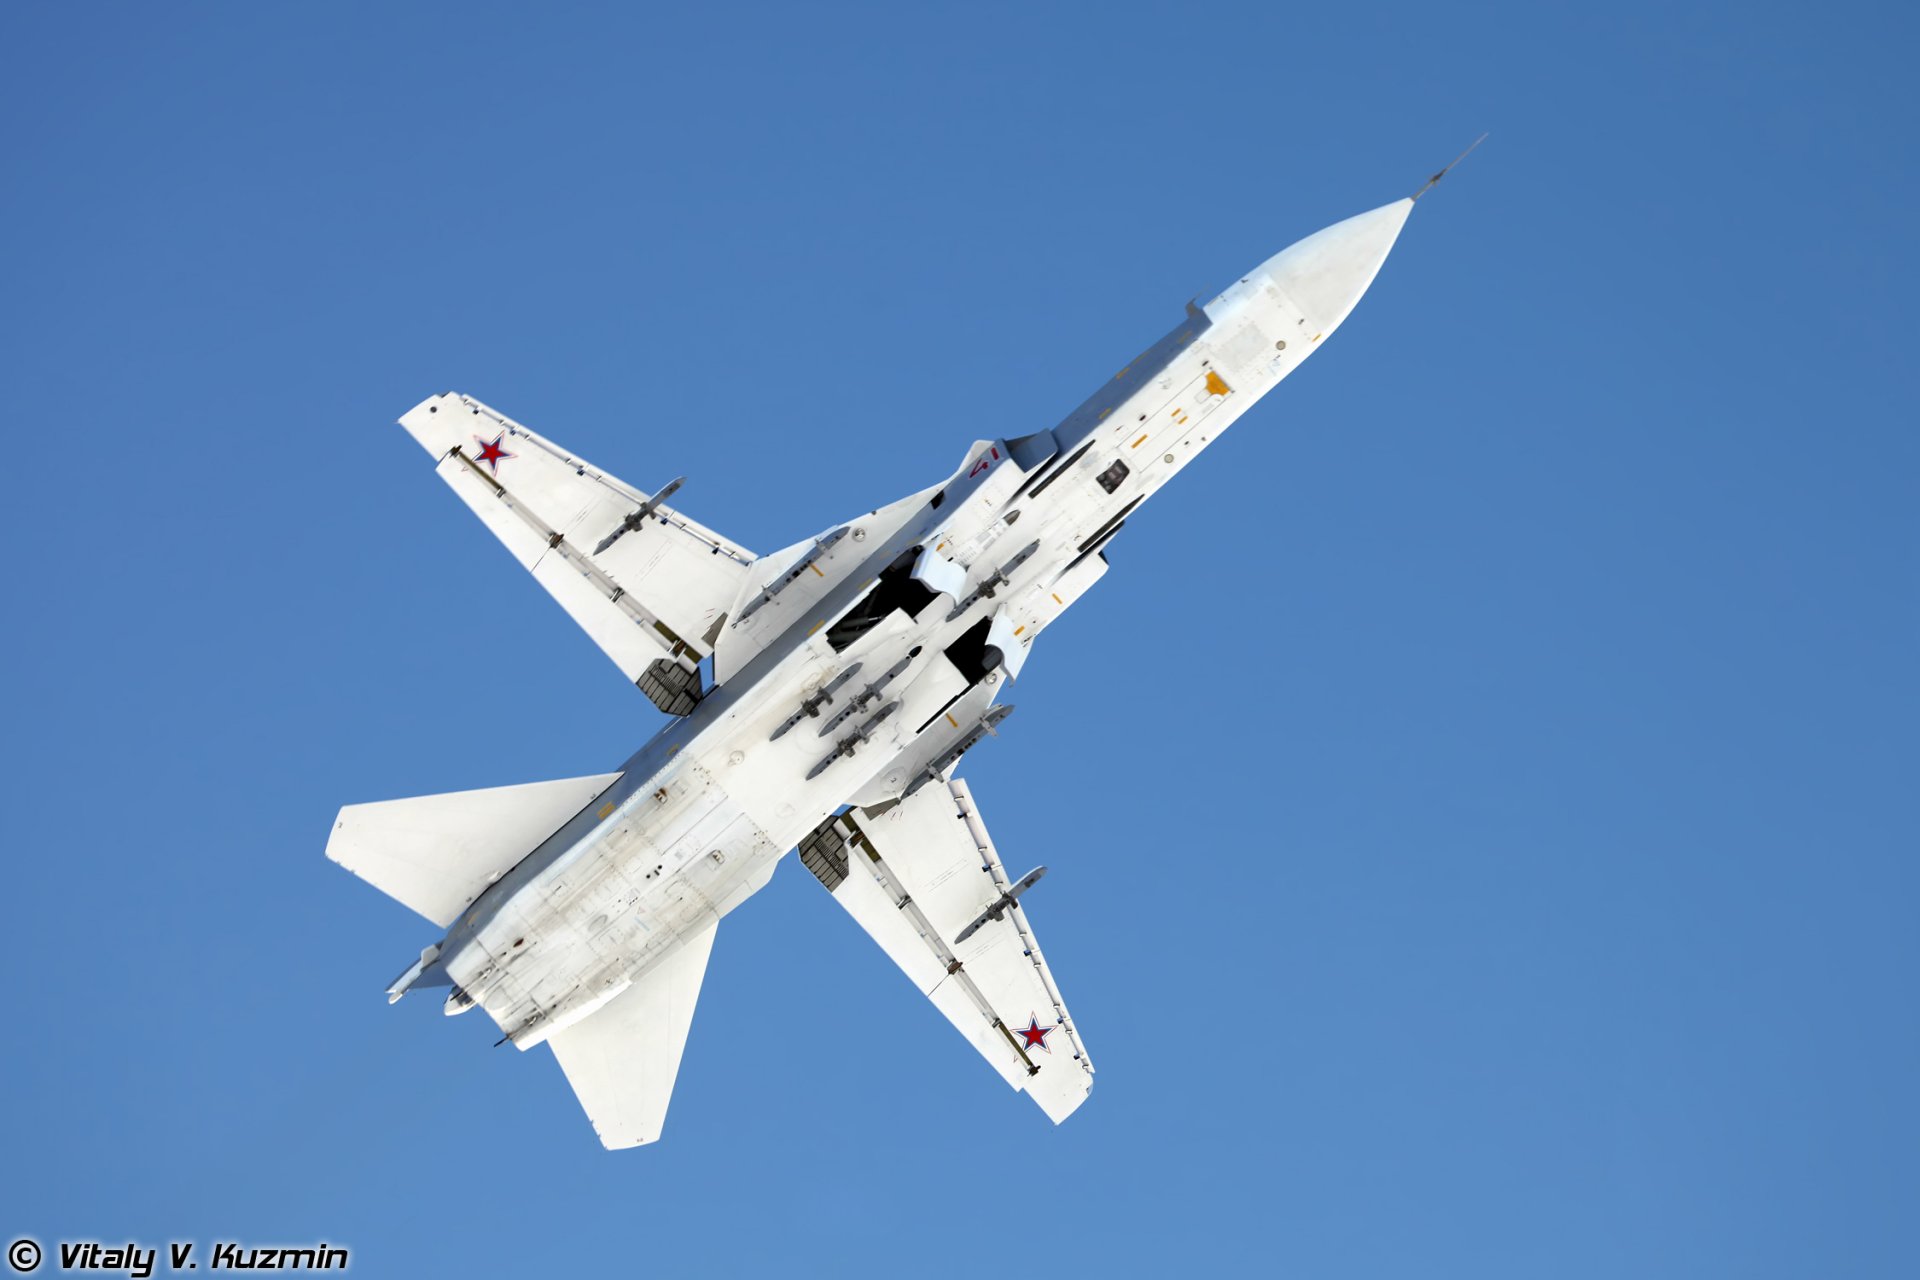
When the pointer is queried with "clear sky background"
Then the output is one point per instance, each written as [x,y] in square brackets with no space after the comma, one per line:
[1480,803]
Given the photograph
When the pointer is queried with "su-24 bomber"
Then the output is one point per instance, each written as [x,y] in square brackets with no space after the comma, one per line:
[822,697]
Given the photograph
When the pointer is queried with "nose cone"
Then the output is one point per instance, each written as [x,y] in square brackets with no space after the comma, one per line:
[1326,273]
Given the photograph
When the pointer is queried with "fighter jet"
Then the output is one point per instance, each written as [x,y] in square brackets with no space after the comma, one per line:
[822,697]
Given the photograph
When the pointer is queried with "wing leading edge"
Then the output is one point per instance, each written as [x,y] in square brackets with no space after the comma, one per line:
[917,876]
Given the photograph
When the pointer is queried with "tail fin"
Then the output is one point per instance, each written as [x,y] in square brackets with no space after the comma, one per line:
[622,1058]
[436,854]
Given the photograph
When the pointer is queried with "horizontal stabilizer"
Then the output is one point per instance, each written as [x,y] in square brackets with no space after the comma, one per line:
[622,1059]
[438,853]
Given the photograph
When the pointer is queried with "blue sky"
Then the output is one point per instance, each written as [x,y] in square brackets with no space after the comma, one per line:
[1480,803]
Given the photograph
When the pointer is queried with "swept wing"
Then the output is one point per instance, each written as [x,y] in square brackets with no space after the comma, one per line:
[646,582]
[917,875]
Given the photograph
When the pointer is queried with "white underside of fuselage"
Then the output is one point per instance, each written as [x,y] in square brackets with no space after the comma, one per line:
[674,852]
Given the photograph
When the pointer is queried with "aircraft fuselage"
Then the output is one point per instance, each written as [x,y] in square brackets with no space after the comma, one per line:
[878,655]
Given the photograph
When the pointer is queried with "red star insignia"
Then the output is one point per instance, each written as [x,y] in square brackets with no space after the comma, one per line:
[491,453]
[1036,1035]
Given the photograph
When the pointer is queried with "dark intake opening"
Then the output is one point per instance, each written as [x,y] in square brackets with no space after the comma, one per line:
[972,654]
[897,589]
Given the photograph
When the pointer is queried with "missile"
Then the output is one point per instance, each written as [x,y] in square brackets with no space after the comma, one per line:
[820,547]
[852,742]
[993,582]
[868,695]
[1000,904]
[647,508]
[811,707]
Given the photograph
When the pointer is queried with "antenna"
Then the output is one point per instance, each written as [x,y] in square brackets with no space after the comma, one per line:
[1444,172]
